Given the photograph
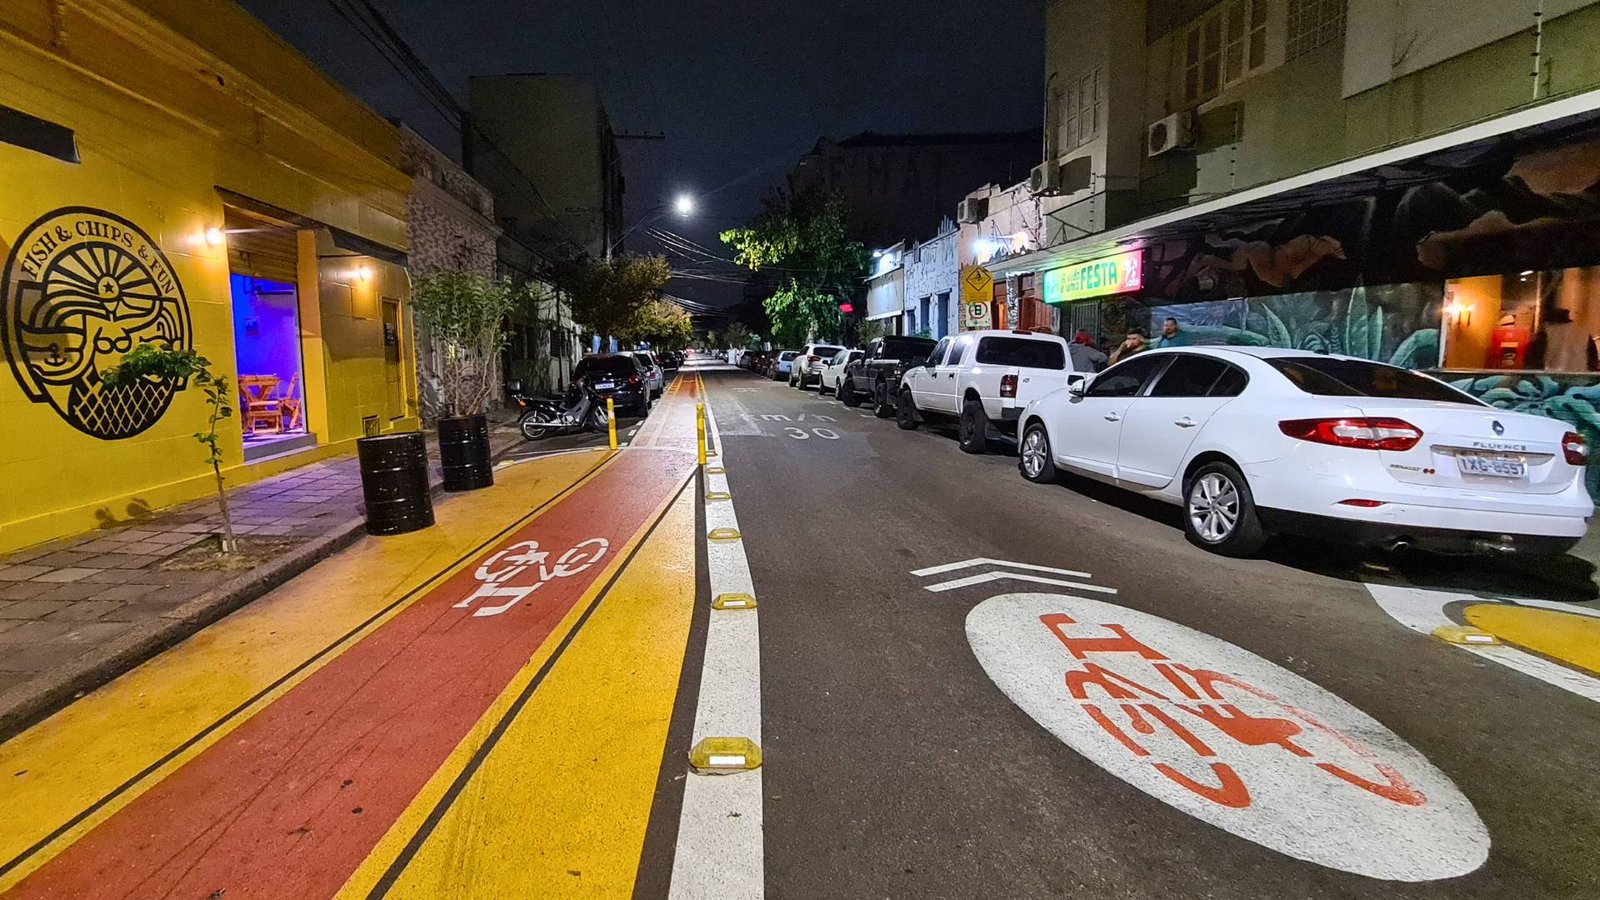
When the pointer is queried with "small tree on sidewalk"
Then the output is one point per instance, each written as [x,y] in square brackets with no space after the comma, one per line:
[466,315]
[163,364]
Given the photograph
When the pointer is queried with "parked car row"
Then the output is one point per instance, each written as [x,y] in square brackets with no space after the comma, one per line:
[1248,441]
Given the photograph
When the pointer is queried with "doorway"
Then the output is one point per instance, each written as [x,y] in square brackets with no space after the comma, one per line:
[394,383]
[263,282]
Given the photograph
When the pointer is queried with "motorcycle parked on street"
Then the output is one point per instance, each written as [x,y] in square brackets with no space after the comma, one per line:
[581,410]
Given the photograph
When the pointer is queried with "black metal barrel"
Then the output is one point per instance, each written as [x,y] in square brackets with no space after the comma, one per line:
[394,481]
[464,453]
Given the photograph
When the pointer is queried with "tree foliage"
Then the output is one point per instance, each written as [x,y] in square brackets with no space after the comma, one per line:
[802,237]
[661,324]
[149,362]
[737,336]
[613,297]
[466,315]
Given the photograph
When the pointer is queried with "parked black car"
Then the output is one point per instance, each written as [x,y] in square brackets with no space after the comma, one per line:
[618,377]
[876,376]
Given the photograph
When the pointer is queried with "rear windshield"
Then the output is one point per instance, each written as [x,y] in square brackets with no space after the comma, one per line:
[606,365]
[645,358]
[789,354]
[826,351]
[1328,377]
[907,348]
[1021,352]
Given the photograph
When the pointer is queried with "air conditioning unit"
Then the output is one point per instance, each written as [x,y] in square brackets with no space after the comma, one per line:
[1171,133]
[1045,179]
[972,210]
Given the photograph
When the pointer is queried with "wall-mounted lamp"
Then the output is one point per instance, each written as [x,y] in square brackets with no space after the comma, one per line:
[1458,314]
[364,273]
[214,236]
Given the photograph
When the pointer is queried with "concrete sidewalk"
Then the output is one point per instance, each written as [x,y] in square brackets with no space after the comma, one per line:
[77,612]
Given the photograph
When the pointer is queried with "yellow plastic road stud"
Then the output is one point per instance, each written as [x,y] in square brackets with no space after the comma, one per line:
[733,601]
[716,470]
[1465,634]
[724,756]
[723,534]
[710,452]
[718,495]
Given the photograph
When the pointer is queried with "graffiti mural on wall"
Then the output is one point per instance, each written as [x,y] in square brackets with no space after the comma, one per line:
[1393,323]
[82,287]
[1529,200]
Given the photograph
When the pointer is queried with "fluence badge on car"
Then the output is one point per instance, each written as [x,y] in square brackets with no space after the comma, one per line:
[1499,429]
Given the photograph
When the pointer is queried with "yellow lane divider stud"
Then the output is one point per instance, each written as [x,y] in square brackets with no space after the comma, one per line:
[700,431]
[718,495]
[611,421]
[723,534]
[1465,634]
[724,756]
[733,601]
[716,470]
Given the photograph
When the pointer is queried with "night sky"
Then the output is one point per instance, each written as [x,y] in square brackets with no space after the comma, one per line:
[741,89]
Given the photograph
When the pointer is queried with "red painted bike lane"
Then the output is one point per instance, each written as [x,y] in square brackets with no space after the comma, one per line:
[290,802]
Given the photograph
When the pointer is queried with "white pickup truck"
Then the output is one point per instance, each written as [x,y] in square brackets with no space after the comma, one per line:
[984,379]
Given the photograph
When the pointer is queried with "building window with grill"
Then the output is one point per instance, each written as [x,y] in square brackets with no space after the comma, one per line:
[1314,24]
[1224,47]
[1082,110]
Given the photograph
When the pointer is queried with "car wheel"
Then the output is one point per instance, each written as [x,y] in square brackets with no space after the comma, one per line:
[777,375]
[1219,512]
[822,388]
[644,409]
[882,407]
[847,394]
[905,412]
[1035,461]
[791,379]
[973,430]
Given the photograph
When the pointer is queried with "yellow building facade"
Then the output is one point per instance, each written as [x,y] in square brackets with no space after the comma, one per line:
[171,171]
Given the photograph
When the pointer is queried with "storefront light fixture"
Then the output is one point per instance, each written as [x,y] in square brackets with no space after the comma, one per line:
[364,273]
[214,236]
[1458,313]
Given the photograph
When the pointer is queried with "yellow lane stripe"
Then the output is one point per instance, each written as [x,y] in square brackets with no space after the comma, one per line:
[99,754]
[1568,637]
[568,785]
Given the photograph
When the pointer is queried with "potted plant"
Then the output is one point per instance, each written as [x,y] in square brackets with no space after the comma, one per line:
[465,314]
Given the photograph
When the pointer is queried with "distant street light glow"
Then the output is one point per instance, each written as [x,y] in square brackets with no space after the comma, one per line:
[684,205]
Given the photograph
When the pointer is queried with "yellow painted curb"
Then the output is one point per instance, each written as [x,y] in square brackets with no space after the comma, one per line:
[1465,634]
[733,601]
[724,755]
[723,534]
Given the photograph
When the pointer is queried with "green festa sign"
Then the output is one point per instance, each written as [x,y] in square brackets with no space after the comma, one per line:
[1109,275]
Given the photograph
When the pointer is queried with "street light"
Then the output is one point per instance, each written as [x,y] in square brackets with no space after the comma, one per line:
[683,205]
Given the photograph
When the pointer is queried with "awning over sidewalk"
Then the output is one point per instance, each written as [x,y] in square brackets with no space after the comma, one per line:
[1389,173]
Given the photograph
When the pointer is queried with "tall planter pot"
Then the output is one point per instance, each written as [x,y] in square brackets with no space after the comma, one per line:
[394,482]
[464,453]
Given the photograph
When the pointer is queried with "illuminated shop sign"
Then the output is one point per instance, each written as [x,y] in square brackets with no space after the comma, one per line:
[1117,274]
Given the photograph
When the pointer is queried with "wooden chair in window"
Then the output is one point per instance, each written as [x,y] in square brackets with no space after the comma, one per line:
[258,414]
[289,405]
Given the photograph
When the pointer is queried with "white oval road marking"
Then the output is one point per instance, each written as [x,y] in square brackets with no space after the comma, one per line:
[1227,737]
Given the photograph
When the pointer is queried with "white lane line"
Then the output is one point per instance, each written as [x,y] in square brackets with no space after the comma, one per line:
[971,580]
[1423,610]
[720,843]
[986,561]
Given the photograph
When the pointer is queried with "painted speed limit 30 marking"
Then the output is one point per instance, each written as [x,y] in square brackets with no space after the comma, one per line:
[1227,737]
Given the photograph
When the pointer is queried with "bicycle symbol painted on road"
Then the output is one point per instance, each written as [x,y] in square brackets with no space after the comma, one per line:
[500,575]
[1227,737]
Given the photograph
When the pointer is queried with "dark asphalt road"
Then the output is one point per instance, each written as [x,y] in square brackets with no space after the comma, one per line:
[895,766]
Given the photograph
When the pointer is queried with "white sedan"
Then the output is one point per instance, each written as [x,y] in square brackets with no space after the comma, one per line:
[1252,441]
[833,371]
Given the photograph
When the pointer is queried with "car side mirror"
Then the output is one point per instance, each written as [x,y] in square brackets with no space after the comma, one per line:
[1077,388]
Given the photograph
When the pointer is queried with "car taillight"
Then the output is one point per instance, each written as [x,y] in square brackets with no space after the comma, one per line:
[812,359]
[1008,385]
[1575,448]
[633,381]
[1360,434]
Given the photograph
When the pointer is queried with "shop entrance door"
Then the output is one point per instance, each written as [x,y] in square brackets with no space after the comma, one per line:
[263,269]
[394,384]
